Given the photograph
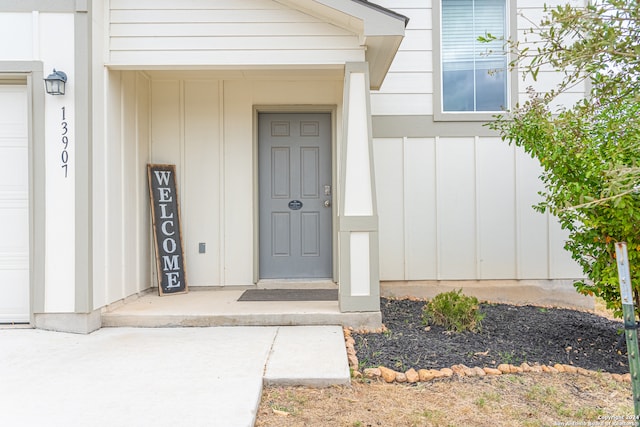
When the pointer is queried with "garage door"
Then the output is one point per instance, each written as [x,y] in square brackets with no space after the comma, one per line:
[14,205]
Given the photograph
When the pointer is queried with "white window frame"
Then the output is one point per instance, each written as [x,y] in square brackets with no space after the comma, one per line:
[512,82]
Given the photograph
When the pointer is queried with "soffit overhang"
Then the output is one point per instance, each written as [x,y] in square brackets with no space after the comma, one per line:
[380,30]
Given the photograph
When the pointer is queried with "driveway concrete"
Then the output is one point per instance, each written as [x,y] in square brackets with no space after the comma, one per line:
[157,377]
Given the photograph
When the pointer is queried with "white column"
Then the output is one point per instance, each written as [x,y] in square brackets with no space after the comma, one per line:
[358,220]
[56,41]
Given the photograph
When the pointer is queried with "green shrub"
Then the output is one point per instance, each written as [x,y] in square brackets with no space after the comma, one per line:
[589,150]
[453,310]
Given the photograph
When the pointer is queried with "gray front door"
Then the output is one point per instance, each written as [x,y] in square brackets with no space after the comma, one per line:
[295,195]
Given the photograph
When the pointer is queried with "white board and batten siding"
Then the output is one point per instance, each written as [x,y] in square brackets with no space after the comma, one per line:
[204,126]
[215,33]
[14,204]
[460,209]
[457,208]
[122,232]
[202,122]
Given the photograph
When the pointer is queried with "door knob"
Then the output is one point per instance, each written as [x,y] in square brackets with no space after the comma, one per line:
[327,203]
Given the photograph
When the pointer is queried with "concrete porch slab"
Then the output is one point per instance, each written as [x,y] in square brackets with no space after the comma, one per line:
[220,307]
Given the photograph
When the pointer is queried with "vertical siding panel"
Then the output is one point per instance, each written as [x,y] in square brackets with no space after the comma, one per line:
[166,133]
[420,209]
[496,209]
[456,208]
[388,157]
[125,266]
[221,262]
[201,188]
[238,197]
[99,204]
[113,187]
[144,255]
[165,119]
[533,240]
[129,162]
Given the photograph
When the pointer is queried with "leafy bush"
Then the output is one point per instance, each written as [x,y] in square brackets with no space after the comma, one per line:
[453,310]
[589,151]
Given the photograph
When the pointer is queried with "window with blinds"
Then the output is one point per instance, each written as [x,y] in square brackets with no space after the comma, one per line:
[474,74]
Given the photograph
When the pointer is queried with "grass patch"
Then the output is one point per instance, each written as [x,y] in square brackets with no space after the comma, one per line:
[509,400]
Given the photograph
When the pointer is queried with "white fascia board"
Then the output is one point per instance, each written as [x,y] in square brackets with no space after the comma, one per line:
[380,53]
[358,16]
[377,20]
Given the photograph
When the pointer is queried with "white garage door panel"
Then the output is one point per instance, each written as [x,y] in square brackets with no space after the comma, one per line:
[14,205]
[14,228]
[10,279]
[12,180]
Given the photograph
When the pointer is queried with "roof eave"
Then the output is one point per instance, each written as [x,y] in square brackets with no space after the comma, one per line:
[381,29]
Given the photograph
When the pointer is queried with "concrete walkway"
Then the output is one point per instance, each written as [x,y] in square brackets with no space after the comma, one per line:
[159,377]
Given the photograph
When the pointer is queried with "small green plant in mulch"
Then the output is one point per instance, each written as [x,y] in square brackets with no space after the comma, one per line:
[455,311]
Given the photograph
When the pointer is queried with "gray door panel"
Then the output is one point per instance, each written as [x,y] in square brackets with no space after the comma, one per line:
[295,195]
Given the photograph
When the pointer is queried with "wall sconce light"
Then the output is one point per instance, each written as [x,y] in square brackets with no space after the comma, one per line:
[55,82]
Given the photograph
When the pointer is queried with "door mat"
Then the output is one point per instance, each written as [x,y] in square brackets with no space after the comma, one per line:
[289,295]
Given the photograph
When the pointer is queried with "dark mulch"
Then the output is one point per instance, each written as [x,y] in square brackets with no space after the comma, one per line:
[510,334]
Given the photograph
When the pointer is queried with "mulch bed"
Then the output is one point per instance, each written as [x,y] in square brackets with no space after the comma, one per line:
[510,334]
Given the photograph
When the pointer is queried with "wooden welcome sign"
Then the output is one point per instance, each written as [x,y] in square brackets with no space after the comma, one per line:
[165,214]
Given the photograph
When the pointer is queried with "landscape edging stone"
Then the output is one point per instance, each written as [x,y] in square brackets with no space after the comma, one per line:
[389,375]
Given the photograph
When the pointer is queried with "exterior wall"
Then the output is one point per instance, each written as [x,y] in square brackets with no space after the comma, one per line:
[219,33]
[121,239]
[532,11]
[408,87]
[210,64]
[49,38]
[203,124]
[459,208]
[455,201]
[57,49]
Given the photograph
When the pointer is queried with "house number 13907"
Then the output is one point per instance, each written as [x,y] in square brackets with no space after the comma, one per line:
[64,156]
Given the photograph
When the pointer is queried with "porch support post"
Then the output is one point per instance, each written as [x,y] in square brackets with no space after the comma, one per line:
[358,216]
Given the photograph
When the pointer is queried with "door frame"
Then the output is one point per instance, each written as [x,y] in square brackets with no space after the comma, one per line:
[332,111]
[30,74]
